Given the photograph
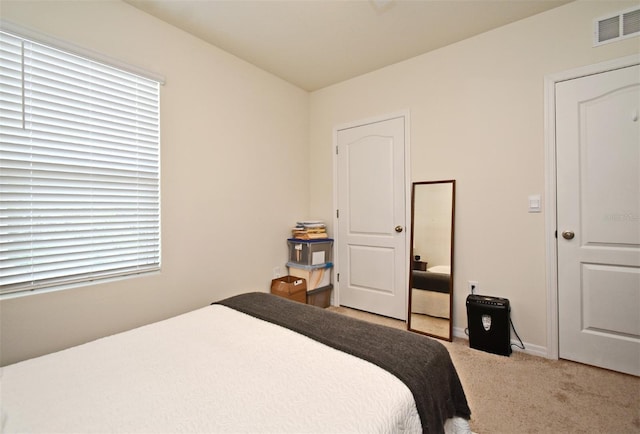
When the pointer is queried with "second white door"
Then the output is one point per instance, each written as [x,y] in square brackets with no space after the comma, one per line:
[598,196]
[372,251]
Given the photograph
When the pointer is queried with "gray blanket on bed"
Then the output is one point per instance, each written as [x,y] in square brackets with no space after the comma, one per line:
[422,363]
[437,282]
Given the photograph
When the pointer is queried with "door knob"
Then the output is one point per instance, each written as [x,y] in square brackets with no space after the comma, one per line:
[399,228]
[568,235]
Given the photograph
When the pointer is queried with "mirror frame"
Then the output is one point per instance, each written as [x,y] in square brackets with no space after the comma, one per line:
[453,217]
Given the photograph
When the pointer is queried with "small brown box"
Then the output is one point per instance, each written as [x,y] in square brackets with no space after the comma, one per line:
[320,297]
[291,287]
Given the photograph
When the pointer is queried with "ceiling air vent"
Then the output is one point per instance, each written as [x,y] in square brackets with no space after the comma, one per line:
[622,25]
[631,23]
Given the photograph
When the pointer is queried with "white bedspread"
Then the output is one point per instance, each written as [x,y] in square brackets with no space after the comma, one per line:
[211,370]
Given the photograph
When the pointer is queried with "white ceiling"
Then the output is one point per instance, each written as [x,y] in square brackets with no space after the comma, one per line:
[316,43]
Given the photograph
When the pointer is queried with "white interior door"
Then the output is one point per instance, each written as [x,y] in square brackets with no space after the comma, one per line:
[598,212]
[372,251]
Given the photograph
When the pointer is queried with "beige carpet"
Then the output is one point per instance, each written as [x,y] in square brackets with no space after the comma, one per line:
[529,394]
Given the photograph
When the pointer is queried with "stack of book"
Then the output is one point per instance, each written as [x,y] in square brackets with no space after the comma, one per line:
[310,230]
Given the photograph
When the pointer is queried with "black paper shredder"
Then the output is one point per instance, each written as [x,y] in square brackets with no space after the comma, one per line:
[488,320]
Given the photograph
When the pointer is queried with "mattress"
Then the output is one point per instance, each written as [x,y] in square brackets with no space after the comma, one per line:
[215,369]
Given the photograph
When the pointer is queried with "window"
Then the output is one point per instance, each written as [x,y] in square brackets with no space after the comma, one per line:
[79,168]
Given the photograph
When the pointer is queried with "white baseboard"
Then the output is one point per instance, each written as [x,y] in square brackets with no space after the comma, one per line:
[534,350]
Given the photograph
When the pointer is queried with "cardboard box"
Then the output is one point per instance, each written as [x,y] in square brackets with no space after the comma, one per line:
[291,287]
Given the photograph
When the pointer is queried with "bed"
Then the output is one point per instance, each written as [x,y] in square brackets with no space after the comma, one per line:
[250,363]
[430,291]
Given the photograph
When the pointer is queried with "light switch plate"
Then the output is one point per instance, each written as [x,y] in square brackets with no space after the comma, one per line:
[535,203]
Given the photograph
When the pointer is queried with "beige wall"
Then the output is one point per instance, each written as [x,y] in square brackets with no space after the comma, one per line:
[477,116]
[234,155]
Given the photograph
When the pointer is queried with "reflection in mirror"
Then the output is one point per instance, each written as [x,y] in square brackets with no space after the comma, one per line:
[431,275]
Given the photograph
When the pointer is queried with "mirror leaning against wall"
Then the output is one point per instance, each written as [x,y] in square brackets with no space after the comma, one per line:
[431,273]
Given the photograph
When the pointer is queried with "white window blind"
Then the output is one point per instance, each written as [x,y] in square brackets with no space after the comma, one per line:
[79,168]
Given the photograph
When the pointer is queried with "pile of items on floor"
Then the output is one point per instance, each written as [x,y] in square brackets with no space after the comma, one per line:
[309,265]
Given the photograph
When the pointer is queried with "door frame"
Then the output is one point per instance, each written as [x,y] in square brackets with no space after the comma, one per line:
[407,191]
[550,185]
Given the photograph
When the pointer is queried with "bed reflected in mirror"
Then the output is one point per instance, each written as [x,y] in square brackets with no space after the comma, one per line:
[431,274]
